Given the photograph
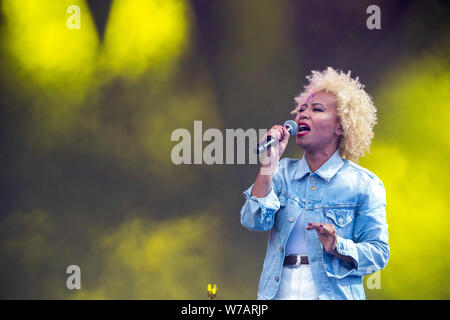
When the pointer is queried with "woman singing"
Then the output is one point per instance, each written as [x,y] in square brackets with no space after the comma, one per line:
[325,213]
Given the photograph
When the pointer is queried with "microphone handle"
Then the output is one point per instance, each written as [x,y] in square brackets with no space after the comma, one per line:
[266,145]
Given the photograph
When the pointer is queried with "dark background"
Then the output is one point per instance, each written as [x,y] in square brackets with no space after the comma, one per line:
[87,115]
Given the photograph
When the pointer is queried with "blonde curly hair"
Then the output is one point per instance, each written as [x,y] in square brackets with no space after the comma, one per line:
[356,112]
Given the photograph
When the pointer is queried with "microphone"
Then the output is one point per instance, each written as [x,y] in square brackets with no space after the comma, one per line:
[291,127]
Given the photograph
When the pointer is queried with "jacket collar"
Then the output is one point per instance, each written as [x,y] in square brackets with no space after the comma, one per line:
[327,171]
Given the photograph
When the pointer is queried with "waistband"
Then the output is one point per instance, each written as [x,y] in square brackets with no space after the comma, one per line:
[295,260]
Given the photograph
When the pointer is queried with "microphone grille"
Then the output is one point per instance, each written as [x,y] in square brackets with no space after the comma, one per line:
[291,127]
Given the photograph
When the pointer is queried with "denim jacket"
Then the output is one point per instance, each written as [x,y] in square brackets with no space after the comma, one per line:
[341,193]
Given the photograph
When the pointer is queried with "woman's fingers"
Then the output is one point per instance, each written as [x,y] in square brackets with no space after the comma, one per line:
[278,132]
[285,131]
[273,132]
[326,233]
[312,226]
[321,227]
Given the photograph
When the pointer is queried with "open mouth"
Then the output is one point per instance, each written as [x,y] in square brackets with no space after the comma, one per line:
[303,129]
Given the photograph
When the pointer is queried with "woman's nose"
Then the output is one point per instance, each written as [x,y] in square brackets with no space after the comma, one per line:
[302,115]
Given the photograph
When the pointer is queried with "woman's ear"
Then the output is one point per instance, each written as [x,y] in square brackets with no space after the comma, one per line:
[339,130]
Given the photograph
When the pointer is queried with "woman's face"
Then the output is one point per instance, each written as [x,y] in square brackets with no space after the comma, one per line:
[318,126]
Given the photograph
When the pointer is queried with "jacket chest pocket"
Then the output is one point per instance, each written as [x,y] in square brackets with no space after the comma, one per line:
[341,218]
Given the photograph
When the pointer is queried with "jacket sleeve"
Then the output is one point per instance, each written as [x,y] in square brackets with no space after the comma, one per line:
[369,248]
[258,214]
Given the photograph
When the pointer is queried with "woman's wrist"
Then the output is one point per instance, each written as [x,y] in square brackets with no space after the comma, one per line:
[268,167]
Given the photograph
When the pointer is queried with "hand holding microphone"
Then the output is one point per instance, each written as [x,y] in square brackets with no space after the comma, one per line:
[275,142]
[276,136]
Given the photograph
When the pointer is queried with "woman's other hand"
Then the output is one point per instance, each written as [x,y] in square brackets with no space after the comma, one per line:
[327,235]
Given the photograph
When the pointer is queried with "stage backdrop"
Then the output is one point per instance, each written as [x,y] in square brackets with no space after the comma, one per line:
[91,92]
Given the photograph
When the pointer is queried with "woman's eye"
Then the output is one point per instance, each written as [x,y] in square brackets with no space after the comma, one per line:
[317,109]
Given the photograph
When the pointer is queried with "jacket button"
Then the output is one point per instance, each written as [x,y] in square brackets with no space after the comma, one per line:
[291,219]
[276,278]
[341,220]
[281,248]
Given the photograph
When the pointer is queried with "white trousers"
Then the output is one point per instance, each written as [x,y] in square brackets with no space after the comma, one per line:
[296,283]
